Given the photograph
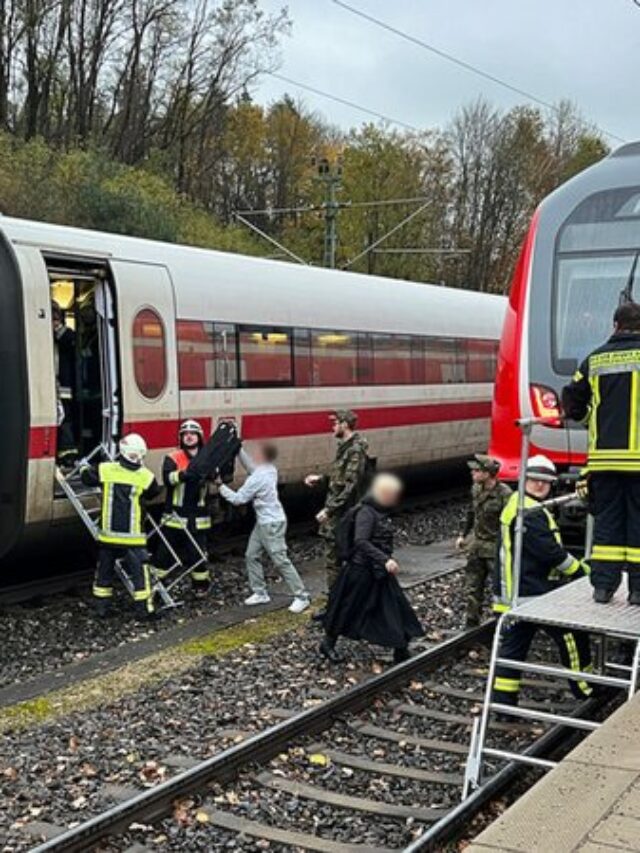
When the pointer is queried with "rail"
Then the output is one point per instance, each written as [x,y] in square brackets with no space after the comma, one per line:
[156,802]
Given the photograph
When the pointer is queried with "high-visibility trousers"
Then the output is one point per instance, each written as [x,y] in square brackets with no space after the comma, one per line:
[616,532]
[136,565]
[575,653]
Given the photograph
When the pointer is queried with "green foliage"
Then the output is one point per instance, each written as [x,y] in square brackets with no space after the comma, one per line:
[87,190]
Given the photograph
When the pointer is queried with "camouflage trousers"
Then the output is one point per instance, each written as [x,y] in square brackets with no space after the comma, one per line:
[475,582]
[331,561]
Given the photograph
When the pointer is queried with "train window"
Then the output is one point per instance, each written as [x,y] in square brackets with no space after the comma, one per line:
[302,364]
[595,265]
[480,360]
[334,358]
[603,221]
[587,292]
[364,366]
[418,367]
[441,362]
[149,353]
[391,359]
[206,355]
[265,356]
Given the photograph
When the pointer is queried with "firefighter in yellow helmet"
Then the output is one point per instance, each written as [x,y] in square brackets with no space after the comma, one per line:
[125,483]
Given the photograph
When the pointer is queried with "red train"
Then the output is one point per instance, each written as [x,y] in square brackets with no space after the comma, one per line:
[576,261]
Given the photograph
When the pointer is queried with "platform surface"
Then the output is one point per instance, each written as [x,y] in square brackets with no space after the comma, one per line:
[590,803]
[572,605]
[421,562]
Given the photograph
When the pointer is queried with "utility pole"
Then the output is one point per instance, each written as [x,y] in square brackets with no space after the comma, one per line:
[331,177]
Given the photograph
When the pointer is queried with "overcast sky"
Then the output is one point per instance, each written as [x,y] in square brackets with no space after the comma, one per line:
[585,50]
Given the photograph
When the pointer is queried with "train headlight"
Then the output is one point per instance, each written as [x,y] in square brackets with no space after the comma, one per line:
[545,404]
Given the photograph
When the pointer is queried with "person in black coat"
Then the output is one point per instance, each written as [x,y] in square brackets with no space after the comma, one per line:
[366,601]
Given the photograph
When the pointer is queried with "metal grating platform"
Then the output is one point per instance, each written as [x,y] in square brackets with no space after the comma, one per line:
[573,606]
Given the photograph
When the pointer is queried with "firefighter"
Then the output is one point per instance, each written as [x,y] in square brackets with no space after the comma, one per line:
[544,566]
[345,484]
[605,392]
[481,531]
[186,519]
[125,483]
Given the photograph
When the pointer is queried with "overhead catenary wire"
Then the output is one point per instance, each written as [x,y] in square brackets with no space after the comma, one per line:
[314,208]
[468,66]
[344,101]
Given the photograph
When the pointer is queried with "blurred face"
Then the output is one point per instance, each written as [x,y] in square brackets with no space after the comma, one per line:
[538,488]
[190,439]
[387,492]
[479,477]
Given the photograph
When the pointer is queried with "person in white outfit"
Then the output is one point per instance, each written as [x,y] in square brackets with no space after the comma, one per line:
[269,534]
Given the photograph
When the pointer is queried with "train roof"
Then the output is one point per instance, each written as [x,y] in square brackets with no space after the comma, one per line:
[620,168]
[240,288]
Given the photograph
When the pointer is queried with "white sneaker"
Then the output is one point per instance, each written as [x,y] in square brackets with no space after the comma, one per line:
[298,605]
[257,598]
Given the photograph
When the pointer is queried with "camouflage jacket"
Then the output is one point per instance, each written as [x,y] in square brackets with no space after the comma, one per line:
[346,475]
[484,518]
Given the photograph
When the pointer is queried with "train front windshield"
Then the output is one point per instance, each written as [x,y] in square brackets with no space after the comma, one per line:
[595,265]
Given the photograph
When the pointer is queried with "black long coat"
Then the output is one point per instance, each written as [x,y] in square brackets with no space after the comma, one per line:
[366,602]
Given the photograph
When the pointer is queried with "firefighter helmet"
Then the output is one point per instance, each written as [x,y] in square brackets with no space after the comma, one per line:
[540,467]
[191,426]
[133,448]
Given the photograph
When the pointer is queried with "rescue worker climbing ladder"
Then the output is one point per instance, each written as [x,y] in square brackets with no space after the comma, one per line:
[124,484]
[186,519]
[544,566]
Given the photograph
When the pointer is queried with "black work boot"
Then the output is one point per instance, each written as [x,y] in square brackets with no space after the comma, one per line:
[602,595]
[201,589]
[104,610]
[401,654]
[634,596]
[327,650]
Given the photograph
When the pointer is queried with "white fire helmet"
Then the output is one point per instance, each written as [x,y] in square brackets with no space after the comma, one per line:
[539,467]
[133,448]
[191,426]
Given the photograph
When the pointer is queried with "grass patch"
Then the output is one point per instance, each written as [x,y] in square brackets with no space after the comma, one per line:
[253,631]
[154,669]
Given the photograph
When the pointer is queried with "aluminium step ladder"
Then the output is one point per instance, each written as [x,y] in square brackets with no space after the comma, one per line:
[571,606]
[86,501]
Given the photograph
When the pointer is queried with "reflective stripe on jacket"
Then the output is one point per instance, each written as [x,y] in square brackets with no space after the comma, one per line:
[605,393]
[186,500]
[121,515]
[545,561]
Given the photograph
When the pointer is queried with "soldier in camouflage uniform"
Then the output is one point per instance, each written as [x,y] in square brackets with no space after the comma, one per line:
[344,487]
[488,497]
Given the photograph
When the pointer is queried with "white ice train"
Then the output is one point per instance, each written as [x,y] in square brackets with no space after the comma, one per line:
[165,332]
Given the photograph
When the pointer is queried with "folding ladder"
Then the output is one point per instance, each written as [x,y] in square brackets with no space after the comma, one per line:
[87,503]
[571,606]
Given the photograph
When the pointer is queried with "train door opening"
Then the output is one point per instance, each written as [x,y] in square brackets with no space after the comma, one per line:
[86,358]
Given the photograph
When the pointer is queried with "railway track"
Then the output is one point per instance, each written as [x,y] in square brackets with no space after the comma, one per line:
[416,716]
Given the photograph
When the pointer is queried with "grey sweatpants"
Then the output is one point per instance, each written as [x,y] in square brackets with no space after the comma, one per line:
[270,538]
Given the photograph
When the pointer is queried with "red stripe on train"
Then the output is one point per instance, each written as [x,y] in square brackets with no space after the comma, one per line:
[286,425]
[163,434]
[42,442]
